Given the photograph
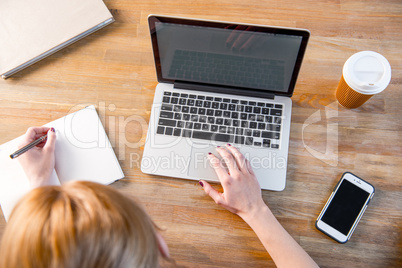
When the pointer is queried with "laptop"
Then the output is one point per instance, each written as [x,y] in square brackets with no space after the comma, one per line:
[220,83]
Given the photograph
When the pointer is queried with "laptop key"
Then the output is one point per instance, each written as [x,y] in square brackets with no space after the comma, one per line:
[276,112]
[223,106]
[160,130]
[239,139]
[177,116]
[186,133]
[215,105]
[180,124]
[167,122]
[167,107]
[277,120]
[189,125]
[249,141]
[168,131]
[213,136]
[226,114]
[270,135]
[177,132]
[164,114]
[186,117]
[266,143]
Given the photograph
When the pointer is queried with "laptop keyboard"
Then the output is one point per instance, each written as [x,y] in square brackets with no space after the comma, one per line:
[220,119]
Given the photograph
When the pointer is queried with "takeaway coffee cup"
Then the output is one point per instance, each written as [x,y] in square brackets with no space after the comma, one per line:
[364,74]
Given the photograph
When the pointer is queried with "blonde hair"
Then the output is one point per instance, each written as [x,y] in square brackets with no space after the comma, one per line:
[79,224]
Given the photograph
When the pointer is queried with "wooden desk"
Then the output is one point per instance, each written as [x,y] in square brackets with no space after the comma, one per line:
[114,70]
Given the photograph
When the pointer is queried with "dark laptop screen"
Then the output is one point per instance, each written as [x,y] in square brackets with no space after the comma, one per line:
[229,55]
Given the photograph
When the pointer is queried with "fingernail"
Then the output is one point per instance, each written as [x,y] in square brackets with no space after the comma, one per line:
[229,144]
[218,147]
[52,129]
[209,153]
[200,182]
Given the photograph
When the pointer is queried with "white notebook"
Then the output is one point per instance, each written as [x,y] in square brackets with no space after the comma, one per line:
[83,152]
[32,30]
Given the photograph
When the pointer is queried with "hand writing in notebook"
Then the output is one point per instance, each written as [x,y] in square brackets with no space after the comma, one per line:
[38,162]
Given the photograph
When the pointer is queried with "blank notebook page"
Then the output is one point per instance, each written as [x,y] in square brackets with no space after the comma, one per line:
[83,152]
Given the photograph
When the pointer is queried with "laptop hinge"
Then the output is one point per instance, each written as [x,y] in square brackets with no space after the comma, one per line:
[224,90]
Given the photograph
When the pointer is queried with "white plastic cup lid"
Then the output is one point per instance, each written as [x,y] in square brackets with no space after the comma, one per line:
[367,72]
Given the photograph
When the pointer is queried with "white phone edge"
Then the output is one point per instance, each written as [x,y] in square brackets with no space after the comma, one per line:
[329,230]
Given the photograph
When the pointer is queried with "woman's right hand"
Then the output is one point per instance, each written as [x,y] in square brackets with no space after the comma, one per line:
[241,190]
[38,163]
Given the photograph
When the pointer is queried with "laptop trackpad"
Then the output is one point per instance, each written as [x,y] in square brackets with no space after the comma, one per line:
[200,167]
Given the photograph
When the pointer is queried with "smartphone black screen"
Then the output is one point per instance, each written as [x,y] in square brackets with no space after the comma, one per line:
[345,207]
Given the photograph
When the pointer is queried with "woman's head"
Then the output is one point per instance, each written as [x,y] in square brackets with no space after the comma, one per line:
[79,224]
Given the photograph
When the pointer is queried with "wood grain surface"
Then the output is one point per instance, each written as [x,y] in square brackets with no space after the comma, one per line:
[114,70]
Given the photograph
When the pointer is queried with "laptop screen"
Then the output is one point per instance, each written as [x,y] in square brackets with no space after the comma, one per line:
[227,55]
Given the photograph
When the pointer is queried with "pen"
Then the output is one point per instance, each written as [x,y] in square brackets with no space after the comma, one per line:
[27,147]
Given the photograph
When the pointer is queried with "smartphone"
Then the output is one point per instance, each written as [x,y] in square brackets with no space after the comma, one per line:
[344,208]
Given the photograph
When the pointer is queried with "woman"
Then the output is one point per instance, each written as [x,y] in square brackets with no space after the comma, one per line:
[84,224]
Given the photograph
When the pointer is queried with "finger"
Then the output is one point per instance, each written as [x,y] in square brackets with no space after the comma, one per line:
[228,159]
[214,194]
[243,38]
[239,158]
[234,35]
[238,43]
[51,141]
[250,168]
[217,166]
[250,41]
[32,134]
